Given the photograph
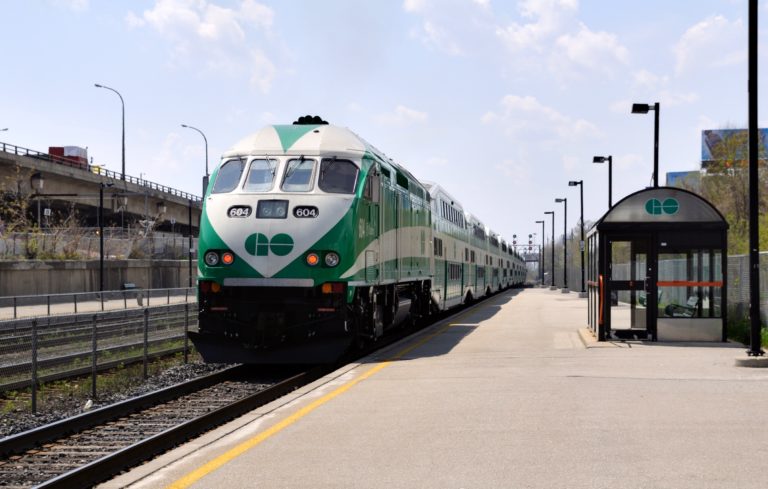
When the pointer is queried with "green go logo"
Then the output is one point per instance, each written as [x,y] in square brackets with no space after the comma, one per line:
[655,207]
[260,245]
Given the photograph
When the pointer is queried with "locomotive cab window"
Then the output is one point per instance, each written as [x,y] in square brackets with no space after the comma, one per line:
[298,175]
[261,175]
[337,176]
[228,176]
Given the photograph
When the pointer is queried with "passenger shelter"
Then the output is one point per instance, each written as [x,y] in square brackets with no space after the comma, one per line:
[657,268]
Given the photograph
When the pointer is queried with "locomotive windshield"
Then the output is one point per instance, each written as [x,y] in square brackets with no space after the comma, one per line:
[228,176]
[261,175]
[298,175]
[337,176]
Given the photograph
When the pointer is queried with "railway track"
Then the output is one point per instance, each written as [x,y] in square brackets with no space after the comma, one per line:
[92,447]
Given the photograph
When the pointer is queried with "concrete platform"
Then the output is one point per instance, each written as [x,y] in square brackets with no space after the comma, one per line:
[506,395]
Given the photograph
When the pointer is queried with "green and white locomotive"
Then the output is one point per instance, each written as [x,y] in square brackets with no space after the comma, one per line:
[312,240]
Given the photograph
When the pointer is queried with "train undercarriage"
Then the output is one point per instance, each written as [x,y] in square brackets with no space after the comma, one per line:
[298,325]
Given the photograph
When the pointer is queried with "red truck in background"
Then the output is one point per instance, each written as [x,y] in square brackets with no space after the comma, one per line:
[70,155]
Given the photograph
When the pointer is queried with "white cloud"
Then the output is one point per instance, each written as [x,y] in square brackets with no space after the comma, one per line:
[526,115]
[414,5]
[403,116]
[712,43]
[221,37]
[549,18]
[448,25]
[437,37]
[596,51]
[646,80]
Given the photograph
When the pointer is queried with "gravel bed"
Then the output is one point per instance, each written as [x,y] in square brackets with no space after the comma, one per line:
[61,404]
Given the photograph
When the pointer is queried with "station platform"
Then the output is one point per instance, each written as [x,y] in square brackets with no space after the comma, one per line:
[512,393]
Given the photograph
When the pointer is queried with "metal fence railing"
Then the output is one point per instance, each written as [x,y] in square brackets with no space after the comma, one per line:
[29,306]
[38,350]
[99,170]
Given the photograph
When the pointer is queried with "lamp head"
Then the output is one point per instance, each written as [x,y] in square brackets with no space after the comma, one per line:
[37,181]
[574,183]
[640,108]
[97,85]
[539,222]
[550,212]
[599,159]
[560,200]
[184,125]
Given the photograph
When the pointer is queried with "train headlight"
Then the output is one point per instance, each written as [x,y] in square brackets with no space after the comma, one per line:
[312,259]
[332,259]
[227,258]
[211,258]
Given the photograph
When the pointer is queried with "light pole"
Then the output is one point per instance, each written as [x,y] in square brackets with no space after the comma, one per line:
[541,253]
[122,102]
[101,236]
[205,178]
[656,108]
[580,183]
[189,256]
[552,275]
[565,243]
[609,159]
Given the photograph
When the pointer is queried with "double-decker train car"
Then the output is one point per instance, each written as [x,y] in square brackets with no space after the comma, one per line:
[312,240]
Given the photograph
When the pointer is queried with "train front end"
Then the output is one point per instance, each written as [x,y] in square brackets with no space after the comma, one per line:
[276,234]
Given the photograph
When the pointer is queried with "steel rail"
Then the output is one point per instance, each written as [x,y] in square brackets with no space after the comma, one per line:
[30,439]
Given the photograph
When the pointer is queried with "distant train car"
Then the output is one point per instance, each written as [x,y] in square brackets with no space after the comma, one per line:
[312,240]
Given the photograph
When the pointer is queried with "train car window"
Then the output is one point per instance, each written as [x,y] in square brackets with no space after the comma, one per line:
[228,176]
[337,176]
[261,175]
[298,175]
[402,180]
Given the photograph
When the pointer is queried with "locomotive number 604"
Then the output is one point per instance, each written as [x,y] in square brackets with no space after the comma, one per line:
[305,211]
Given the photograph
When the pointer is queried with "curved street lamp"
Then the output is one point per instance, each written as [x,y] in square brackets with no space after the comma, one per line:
[656,108]
[122,102]
[541,253]
[552,276]
[205,178]
[565,243]
[580,184]
[609,159]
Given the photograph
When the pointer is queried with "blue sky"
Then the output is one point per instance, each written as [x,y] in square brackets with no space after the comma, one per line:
[502,103]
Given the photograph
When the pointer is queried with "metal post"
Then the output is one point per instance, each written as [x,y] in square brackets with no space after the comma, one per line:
[146,341]
[610,182]
[552,275]
[565,245]
[34,366]
[656,109]
[186,330]
[754,243]
[94,357]
[582,244]
[101,241]
[190,242]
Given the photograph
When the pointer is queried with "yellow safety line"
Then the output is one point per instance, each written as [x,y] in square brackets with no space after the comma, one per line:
[235,452]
